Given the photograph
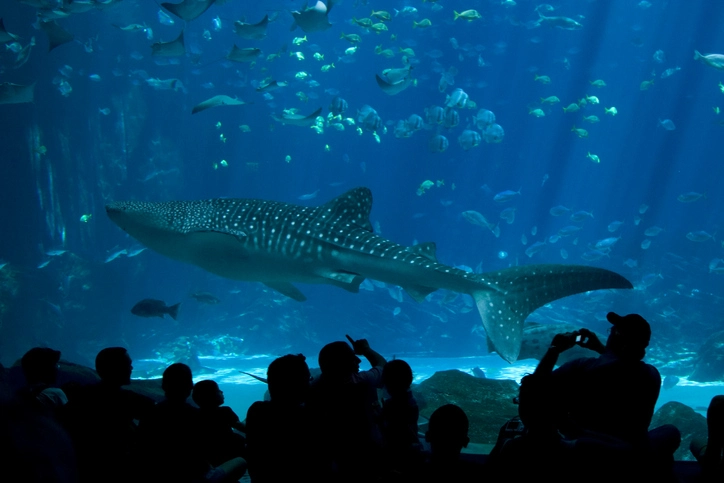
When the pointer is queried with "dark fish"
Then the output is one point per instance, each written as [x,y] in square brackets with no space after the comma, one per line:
[174,48]
[243,55]
[215,102]
[154,308]
[298,119]
[338,106]
[205,298]
[478,372]
[252,31]
[188,9]
[670,381]
[270,85]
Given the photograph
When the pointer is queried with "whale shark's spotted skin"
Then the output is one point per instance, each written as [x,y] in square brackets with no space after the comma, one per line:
[280,243]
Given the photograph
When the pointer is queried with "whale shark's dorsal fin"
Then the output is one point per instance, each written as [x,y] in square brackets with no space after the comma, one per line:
[354,206]
[427,250]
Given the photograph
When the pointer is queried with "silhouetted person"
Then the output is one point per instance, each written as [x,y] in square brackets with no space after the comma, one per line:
[40,367]
[173,436]
[218,422]
[710,453]
[609,400]
[35,448]
[344,409]
[448,434]
[102,419]
[399,416]
[530,448]
[278,431]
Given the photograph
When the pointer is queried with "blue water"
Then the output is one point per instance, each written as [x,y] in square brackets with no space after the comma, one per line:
[119,138]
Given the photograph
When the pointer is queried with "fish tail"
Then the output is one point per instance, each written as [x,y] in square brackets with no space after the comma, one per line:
[173,311]
[457,15]
[506,297]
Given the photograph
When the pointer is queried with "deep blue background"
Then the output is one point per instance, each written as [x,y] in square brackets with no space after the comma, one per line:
[92,159]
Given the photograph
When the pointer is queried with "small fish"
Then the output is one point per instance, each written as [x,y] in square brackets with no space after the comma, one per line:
[132,252]
[559,210]
[699,236]
[535,248]
[579,216]
[55,253]
[478,372]
[690,197]
[155,308]
[653,231]
[569,230]
[505,196]
[606,243]
[309,196]
[205,298]
[667,124]
[715,266]
[115,255]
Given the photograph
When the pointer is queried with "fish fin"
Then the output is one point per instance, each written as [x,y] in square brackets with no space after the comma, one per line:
[418,292]
[314,114]
[514,293]
[255,377]
[354,207]
[286,288]
[294,26]
[427,250]
[57,35]
[173,311]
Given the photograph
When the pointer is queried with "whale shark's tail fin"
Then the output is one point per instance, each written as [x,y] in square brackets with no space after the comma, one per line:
[518,291]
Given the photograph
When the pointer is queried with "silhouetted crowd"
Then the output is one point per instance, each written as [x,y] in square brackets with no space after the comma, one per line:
[587,420]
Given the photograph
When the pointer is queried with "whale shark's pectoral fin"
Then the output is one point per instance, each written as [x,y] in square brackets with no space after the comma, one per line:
[287,289]
[418,292]
[512,294]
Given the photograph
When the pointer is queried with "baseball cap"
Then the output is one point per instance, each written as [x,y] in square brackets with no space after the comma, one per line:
[632,326]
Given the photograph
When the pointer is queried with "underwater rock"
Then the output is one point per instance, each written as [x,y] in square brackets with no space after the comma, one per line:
[690,423]
[710,363]
[537,339]
[488,403]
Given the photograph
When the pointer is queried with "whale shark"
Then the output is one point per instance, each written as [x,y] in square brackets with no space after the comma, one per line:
[279,244]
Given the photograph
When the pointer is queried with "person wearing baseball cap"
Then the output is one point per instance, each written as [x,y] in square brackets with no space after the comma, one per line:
[607,402]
